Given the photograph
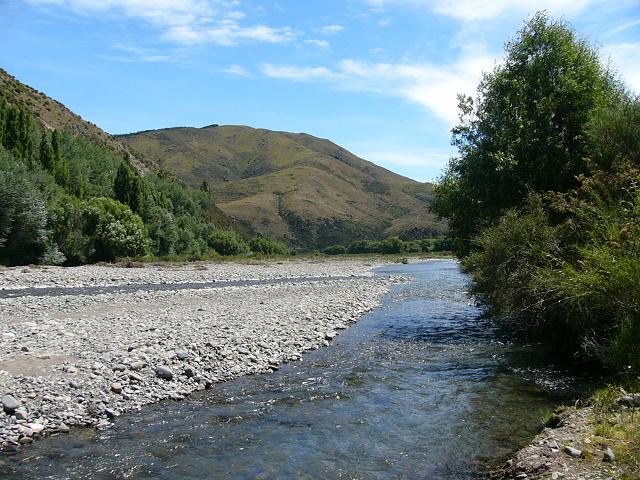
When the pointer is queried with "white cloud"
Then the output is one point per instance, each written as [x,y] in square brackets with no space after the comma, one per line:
[300,74]
[183,21]
[432,86]
[474,10]
[237,70]
[318,43]
[626,60]
[407,158]
[331,29]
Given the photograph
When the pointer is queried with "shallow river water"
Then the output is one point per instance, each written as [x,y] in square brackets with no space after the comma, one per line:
[419,388]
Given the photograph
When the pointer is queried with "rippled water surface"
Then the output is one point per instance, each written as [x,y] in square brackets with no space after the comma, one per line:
[419,388]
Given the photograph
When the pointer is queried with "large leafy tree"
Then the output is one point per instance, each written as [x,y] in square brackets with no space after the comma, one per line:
[525,131]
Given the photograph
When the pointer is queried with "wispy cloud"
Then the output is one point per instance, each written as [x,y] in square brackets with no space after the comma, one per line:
[228,33]
[237,70]
[474,10]
[133,54]
[299,74]
[331,29]
[432,86]
[318,43]
[183,21]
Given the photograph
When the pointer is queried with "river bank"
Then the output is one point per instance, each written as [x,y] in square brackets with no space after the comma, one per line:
[85,358]
[598,441]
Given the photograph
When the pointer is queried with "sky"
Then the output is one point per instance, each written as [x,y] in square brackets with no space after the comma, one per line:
[378,77]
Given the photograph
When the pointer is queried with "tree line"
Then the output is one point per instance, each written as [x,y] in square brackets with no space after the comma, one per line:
[68,201]
[543,198]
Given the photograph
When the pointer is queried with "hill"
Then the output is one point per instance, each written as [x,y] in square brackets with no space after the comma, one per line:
[294,187]
[52,114]
[70,193]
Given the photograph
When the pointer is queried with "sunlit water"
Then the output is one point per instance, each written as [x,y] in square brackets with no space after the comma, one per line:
[419,388]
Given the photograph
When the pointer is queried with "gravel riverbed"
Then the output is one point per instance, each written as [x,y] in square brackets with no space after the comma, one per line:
[83,359]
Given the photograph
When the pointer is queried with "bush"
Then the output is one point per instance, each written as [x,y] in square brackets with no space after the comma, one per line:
[23,216]
[265,246]
[392,245]
[227,242]
[335,250]
[364,246]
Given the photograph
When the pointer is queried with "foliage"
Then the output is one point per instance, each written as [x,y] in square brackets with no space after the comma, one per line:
[567,267]
[128,187]
[23,216]
[99,229]
[335,250]
[228,242]
[265,246]
[526,130]
[390,245]
[71,201]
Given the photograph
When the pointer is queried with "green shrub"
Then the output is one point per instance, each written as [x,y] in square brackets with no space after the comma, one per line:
[265,246]
[364,246]
[335,250]
[23,215]
[227,242]
[392,245]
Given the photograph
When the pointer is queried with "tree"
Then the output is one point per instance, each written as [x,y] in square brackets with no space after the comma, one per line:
[204,186]
[46,153]
[525,132]
[55,145]
[128,188]
[23,216]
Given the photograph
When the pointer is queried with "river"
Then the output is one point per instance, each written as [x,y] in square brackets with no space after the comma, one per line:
[420,388]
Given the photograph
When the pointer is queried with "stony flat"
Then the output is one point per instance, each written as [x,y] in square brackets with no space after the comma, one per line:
[87,356]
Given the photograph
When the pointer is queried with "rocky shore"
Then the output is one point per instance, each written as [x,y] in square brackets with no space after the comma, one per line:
[83,359]
[571,447]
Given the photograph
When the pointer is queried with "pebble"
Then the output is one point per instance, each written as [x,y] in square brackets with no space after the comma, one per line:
[21,413]
[573,452]
[222,333]
[9,404]
[111,413]
[163,372]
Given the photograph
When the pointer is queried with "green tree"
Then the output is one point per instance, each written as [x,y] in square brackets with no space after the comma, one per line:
[46,153]
[55,145]
[204,186]
[525,132]
[128,188]
[23,215]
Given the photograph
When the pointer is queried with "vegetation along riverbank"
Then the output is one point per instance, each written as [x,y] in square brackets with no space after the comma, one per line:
[543,203]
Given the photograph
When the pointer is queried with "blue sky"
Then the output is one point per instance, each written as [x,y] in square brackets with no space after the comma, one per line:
[379,77]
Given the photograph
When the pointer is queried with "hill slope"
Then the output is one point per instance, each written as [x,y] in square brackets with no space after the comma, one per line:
[54,115]
[305,190]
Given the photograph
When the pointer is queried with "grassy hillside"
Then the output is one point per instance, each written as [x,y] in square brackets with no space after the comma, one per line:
[305,190]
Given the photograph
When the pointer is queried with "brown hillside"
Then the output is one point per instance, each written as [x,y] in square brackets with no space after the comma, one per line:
[295,187]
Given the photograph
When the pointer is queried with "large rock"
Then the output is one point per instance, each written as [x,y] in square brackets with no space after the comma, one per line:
[164,372]
[9,404]
[573,452]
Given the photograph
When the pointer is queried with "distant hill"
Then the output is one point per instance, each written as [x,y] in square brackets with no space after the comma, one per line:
[295,187]
[54,115]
